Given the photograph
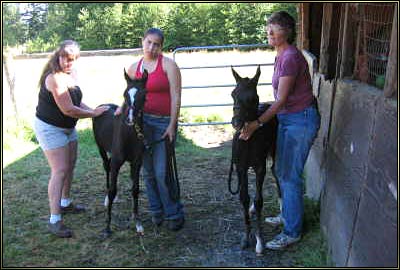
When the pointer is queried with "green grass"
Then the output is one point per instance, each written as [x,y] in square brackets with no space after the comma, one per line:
[314,251]
[214,221]
[214,217]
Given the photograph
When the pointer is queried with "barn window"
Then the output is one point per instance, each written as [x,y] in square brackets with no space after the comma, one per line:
[373,42]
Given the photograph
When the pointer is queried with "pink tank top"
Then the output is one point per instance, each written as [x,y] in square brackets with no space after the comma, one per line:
[158,99]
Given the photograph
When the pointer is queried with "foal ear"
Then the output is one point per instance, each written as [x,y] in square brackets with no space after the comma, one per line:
[127,78]
[145,75]
[237,77]
[257,76]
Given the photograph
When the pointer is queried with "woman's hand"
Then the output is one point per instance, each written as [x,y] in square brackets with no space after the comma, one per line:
[248,129]
[170,132]
[99,110]
[118,111]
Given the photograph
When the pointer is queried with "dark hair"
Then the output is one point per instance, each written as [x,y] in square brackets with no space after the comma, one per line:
[285,20]
[66,48]
[155,31]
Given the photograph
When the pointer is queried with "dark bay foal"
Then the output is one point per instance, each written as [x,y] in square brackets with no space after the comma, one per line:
[121,137]
[252,152]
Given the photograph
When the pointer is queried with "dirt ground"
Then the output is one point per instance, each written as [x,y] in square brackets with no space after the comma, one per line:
[214,215]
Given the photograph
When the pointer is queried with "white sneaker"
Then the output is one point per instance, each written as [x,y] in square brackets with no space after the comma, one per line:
[274,221]
[281,241]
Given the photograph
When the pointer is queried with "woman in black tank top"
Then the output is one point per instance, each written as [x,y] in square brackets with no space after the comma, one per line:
[58,110]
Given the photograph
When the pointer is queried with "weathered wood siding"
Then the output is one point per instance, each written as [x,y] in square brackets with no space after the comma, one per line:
[353,165]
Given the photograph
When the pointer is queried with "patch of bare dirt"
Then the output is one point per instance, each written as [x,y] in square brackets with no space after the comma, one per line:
[208,136]
[214,220]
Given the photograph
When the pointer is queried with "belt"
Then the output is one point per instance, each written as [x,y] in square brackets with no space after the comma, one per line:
[157,116]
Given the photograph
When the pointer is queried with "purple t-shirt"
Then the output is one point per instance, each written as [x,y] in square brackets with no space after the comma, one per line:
[292,63]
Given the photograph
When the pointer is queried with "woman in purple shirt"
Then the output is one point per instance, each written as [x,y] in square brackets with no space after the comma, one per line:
[299,121]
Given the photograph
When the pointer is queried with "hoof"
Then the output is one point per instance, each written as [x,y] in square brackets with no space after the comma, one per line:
[259,248]
[139,229]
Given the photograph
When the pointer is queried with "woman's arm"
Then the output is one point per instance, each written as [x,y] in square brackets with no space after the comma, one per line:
[175,85]
[58,86]
[286,83]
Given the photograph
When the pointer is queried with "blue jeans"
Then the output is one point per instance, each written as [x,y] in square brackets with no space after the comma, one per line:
[296,133]
[154,170]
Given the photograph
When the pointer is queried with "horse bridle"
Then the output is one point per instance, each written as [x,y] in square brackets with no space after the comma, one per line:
[129,114]
[239,115]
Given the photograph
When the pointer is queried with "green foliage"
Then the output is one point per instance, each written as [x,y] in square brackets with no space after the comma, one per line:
[42,26]
[314,251]
[20,131]
[13,28]
[42,45]
[135,20]
[35,18]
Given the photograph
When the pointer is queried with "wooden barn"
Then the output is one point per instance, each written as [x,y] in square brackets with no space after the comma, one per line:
[353,168]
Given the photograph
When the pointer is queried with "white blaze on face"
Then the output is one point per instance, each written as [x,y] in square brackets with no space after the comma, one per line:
[132,93]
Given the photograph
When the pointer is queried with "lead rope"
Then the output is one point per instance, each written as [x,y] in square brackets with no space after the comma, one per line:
[172,180]
[235,151]
[230,181]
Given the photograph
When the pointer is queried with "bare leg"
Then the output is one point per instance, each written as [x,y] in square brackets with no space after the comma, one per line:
[58,160]
[73,151]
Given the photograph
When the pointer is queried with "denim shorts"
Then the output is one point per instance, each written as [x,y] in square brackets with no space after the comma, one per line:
[51,137]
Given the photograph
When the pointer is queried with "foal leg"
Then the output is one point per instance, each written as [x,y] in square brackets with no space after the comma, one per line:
[135,170]
[260,174]
[106,166]
[245,201]
[112,191]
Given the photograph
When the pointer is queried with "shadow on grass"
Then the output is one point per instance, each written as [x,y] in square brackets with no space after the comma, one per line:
[210,237]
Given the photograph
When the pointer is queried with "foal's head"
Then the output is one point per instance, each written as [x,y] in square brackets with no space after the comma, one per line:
[245,99]
[134,98]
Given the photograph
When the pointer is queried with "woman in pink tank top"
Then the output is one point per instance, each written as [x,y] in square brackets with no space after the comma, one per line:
[160,119]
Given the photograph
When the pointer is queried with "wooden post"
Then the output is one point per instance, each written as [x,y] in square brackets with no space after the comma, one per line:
[341,40]
[303,26]
[348,45]
[391,69]
[357,50]
[325,35]
[10,76]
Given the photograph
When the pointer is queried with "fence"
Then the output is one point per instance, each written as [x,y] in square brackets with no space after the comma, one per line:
[207,48]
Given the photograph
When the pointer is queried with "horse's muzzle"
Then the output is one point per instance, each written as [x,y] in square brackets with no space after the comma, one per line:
[237,123]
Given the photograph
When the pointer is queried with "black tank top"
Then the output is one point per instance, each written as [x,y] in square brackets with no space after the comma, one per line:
[48,111]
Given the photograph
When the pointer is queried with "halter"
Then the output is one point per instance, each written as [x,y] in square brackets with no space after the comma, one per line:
[129,113]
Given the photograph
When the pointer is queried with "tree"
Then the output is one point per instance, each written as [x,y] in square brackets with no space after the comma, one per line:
[101,25]
[135,20]
[13,28]
[35,18]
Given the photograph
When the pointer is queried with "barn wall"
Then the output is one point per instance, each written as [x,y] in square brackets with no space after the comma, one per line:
[359,195]
[352,167]
[314,170]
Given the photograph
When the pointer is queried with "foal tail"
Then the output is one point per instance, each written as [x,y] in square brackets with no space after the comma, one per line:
[230,181]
